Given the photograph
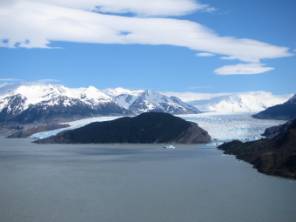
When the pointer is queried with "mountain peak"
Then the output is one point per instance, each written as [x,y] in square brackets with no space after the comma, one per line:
[153,101]
[45,101]
[292,100]
[121,91]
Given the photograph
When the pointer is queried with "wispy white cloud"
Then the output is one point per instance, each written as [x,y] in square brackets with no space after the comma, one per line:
[2,85]
[14,81]
[243,69]
[205,54]
[38,23]
[192,96]
[8,83]
[9,80]
[227,58]
[207,8]
[47,81]
[138,7]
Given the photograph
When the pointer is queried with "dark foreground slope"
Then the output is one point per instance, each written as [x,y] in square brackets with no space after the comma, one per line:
[152,127]
[275,155]
[276,130]
[285,111]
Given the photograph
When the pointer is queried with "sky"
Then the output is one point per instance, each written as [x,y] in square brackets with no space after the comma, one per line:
[208,46]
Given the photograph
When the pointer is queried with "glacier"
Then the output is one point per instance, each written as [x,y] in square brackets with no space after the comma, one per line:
[226,127]
[221,127]
[241,102]
[73,125]
[227,115]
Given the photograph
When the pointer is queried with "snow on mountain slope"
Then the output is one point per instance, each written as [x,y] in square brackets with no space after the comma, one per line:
[239,103]
[125,100]
[41,102]
[292,100]
[93,95]
[121,91]
[36,93]
[45,92]
[138,101]
[54,101]
[154,101]
[123,97]
[12,105]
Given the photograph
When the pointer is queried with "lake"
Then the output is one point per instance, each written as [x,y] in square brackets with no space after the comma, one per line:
[142,183]
[132,183]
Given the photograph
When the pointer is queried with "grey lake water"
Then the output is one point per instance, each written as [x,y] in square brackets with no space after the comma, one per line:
[136,183]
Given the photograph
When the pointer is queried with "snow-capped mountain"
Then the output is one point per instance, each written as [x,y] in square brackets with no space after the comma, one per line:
[113,92]
[139,101]
[41,102]
[292,100]
[239,103]
[153,101]
[11,106]
[123,97]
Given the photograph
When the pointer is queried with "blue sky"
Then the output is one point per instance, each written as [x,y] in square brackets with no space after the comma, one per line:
[76,61]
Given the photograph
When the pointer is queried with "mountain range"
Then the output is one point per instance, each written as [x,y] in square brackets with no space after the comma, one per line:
[43,102]
[29,103]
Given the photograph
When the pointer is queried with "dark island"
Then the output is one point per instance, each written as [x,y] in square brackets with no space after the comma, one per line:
[151,127]
[275,155]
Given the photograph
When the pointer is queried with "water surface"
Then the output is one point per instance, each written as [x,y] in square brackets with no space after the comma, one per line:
[136,183]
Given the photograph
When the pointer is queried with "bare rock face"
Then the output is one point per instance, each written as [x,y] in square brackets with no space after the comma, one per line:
[151,127]
[276,130]
[275,155]
[194,134]
[285,111]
